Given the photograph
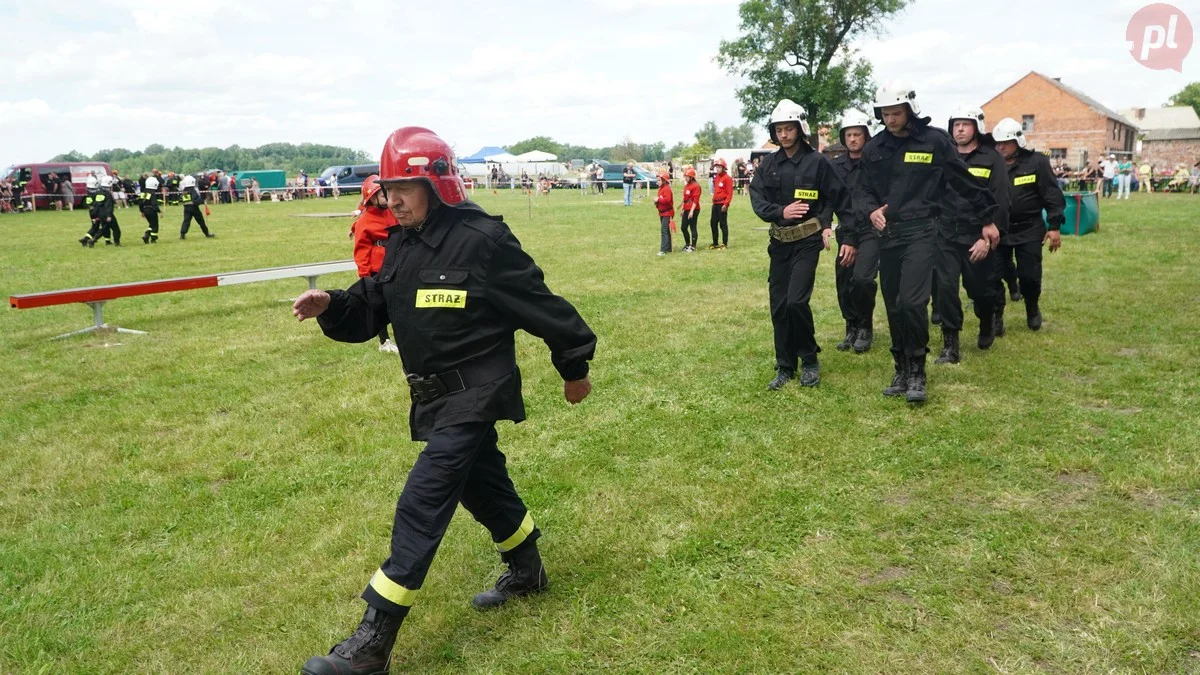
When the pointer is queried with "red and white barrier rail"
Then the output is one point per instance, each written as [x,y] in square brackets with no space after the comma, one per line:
[96,296]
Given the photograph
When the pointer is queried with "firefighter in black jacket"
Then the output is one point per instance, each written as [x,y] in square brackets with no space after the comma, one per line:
[149,202]
[173,186]
[106,209]
[89,201]
[1032,188]
[906,171]
[797,191]
[858,243]
[193,205]
[964,246]
[455,285]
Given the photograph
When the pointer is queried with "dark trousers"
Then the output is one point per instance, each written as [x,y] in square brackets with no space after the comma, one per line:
[152,220]
[460,464]
[1005,268]
[863,287]
[978,279]
[1029,272]
[719,219]
[689,228]
[190,212]
[1106,189]
[843,279]
[790,286]
[664,241]
[111,229]
[906,261]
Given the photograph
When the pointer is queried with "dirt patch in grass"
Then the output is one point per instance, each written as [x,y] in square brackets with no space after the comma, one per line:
[883,576]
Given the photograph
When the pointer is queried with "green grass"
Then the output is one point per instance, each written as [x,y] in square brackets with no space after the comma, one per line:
[212,497]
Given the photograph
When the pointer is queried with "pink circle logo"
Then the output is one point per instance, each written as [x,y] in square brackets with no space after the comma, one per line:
[1159,37]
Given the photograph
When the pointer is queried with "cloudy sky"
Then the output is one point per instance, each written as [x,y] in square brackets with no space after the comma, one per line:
[128,73]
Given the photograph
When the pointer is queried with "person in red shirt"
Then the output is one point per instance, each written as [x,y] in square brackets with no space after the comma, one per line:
[666,211]
[691,210]
[722,196]
[370,234]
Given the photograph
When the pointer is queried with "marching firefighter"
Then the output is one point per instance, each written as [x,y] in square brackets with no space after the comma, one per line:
[370,234]
[89,200]
[455,285]
[193,206]
[907,169]
[110,229]
[149,201]
[858,243]
[722,197]
[1032,188]
[965,244]
[797,191]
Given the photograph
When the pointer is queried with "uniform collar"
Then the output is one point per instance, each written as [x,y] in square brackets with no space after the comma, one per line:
[781,154]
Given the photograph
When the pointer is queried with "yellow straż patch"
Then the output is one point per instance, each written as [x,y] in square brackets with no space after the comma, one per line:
[453,298]
[918,157]
[1025,180]
[806,194]
[980,171]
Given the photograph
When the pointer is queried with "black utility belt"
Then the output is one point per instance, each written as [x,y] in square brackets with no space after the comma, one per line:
[429,388]
[907,225]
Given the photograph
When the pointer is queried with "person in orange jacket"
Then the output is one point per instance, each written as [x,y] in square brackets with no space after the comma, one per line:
[722,197]
[666,211]
[691,210]
[370,234]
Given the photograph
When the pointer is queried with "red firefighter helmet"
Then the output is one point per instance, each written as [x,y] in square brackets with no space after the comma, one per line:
[416,153]
[370,187]
[721,163]
[689,172]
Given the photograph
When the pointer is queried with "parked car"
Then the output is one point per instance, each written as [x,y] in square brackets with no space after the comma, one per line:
[349,178]
[614,175]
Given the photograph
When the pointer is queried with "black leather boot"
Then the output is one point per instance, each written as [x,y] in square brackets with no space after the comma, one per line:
[810,374]
[848,341]
[782,377]
[1014,291]
[367,652]
[525,575]
[916,381]
[899,383]
[864,337]
[1033,315]
[987,331]
[949,347]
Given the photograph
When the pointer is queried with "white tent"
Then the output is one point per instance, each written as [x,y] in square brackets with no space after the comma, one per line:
[502,158]
[536,156]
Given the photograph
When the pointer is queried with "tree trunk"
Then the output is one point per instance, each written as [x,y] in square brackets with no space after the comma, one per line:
[815,136]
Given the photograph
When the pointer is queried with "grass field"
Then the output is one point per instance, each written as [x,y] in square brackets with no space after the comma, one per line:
[213,496]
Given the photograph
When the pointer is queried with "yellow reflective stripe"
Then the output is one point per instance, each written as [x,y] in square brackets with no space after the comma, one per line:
[393,591]
[980,172]
[918,157]
[1025,180]
[518,536]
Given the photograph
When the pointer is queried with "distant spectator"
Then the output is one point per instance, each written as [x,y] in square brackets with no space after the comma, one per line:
[6,196]
[68,194]
[1108,169]
[52,187]
[1145,176]
[333,186]
[1124,177]
[255,191]
[627,178]
[600,182]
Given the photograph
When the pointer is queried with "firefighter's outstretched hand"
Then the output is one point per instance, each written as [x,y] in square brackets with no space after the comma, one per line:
[878,220]
[310,304]
[1054,238]
[577,390]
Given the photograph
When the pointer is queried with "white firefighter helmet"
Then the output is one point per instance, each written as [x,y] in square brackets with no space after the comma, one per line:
[92,182]
[151,183]
[895,93]
[788,111]
[187,182]
[853,118]
[106,181]
[971,113]
[1009,129]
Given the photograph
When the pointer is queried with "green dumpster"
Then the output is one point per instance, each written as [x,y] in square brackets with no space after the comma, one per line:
[1082,213]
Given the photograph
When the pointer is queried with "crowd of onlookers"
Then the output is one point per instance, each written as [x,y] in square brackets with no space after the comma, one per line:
[1118,177]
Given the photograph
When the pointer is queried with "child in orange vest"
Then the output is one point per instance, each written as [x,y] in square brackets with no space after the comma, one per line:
[370,235]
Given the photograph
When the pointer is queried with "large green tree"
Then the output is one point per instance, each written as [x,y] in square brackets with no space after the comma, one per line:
[543,143]
[800,49]
[729,137]
[1189,95]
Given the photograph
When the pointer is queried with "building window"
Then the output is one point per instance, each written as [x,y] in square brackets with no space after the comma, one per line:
[1027,123]
[1058,153]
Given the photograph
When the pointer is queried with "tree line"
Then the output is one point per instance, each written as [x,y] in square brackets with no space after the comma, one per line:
[312,158]
[707,139]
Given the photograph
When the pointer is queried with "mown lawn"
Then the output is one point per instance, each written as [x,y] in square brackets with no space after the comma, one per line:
[212,497]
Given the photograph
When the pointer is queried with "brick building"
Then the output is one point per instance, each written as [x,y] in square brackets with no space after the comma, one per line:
[1169,136]
[1061,121]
